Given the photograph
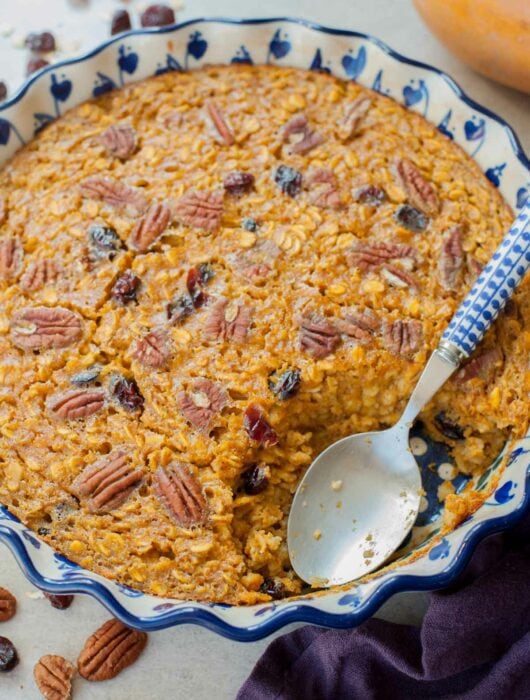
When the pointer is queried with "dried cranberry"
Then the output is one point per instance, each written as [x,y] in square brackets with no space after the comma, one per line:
[206,272]
[8,655]
[249,224]
[157,16]
[60,602]
[286,384]
[448,427]
[255,480]
[258,427]
[180,308]
[289,180]
[411,218]
[238,183]
[372,195]
[104,242]
[42,531]
[41,43]
[127,393]
[194,286]
[121,22]
[126,287]
[3,90]
[273,587]
[35,64]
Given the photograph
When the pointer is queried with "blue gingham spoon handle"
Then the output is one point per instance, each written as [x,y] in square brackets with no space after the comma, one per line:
[492,289]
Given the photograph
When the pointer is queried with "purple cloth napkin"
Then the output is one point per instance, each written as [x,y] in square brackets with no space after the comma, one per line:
[474,642]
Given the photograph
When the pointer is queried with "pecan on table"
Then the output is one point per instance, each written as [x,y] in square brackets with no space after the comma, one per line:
[110,650]
[53,675]
[8,605]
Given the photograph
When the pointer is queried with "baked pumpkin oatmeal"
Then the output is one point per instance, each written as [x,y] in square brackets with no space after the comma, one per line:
[207,278]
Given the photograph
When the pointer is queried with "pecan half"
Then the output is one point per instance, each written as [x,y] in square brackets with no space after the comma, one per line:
[361,327]
[39,274]
[181,493]
[402,337]
[398,277]
[420,192]
[219,123]
[107,483]
[350,125]
[300,136]
[8,605]
[3,211]
[484,366]
[53,675]
[228,321]
[201,209]
[115,193]
[153,349]
[120,141]
[370,256]
[202,403]
[11,255]
[318,336]
[41,328]
[77,404]
[150,227]
[109,650]
[451,260]
[324,189]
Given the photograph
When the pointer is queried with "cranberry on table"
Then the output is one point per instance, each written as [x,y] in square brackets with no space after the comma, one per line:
[35,64]
[42,43]
[60,602]
[3,90]
[157,16]
[121,22]
[8,655]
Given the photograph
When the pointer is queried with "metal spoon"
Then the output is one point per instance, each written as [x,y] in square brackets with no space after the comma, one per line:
[360,497]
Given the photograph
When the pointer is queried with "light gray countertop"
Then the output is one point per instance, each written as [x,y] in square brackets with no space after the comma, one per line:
[187,662]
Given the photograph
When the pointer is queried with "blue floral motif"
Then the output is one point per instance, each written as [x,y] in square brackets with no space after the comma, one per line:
[475,130]
[505,493]
[171,65]
[414,95]
[278,47]
[6,515]
[162,607]
[318,64]
[6,129]
[522,195]
[30,537]
[128,591]
[494,174]
[197,46]
[351,599]
[515,455]
[443,126]
[127,62]
[266,609]
[41,120]
[64,564]
[60,90]
[440,551]
[354,65]
[377,85]
[103,85]
[242,56]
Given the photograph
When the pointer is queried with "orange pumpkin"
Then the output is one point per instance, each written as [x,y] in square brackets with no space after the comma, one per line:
[492,36]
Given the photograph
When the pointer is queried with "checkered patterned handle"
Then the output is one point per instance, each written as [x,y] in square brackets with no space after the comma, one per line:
[493,288]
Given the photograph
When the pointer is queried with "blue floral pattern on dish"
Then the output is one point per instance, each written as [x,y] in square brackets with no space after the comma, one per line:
[142,53]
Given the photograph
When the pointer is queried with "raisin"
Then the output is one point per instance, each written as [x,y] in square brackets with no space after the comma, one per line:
[255,480]
[372,195]
[238,183]
[448,427]
[3,90]
[127,393]
[273,587]
[8,655]
[286,384]
[86,376]
[42,531]
[35,64]
[206,272]
[60,602]
[179,309]
[104,242]
[121,22]
[249,224]
[289,180]
[157,16]
[258,427]
[126,287]
[194,286]
[41,43]
[411,218]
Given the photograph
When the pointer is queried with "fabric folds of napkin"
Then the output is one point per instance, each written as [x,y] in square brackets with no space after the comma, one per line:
[474,642]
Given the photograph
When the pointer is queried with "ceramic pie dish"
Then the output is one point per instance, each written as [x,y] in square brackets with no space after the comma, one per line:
[435,559]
